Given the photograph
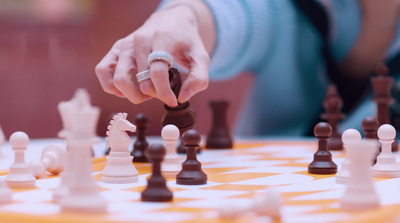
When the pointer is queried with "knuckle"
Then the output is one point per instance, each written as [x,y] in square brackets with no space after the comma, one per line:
[157,73]
[138,39]
[162,33]
[100,70]
[201,83]
[146,88]
[120,81]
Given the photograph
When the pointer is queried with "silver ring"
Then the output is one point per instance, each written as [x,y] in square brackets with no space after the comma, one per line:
[143,75]
[160,55]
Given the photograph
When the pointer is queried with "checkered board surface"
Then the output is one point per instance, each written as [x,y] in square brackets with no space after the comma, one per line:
[234,176]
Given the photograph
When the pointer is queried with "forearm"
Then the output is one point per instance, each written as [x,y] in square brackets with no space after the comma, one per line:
[203,17]
[369,49]
[378,30]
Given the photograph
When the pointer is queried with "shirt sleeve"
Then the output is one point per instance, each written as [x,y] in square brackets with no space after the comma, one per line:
[243,35]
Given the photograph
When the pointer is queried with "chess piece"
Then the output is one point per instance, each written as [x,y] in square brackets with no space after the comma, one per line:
[191,173]
[181,116]
[5,193]
[156,189]
[322,163]
[20,175]
[81,98]
[360,193]
[141,144]
[332,104]
[219,136]
[382,85]
[370,127]
[81,191]
[349,138]
[108,149]
[386,165]
[171,164]
[119,167]
[395,107]
[53,159]
[2,137]
[269,203]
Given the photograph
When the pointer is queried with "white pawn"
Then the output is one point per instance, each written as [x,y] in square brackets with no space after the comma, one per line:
[20,175]
[54,158]
[171,164]
[386,161]
[360,193]
[349,138]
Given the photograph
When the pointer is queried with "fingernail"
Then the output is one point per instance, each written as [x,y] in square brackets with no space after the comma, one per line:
[172,103]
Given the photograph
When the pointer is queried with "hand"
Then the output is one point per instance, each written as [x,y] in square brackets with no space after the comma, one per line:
[174,30]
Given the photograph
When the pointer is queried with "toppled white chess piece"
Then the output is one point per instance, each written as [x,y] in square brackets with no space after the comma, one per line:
[386,165]
[53,160]
[20,175]
[171,164]
[119,167]
[268,204]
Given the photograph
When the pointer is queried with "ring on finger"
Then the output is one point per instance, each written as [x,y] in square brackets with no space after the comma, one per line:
[143,75]
[160,55]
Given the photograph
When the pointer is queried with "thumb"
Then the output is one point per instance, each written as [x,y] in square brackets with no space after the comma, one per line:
[197,79]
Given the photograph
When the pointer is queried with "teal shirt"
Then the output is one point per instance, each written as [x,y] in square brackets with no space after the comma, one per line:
[273,40]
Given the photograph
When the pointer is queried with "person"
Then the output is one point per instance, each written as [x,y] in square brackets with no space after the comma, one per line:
[288,49]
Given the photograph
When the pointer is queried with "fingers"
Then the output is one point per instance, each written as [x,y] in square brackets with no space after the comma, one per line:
[125,77]
[105,70]
[141,52]
[197,79]
[160,78]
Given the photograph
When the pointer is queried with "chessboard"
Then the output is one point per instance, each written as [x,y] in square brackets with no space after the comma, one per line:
[235,176]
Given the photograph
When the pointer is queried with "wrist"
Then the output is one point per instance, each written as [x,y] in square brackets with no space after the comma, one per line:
[184,7]
[197,13]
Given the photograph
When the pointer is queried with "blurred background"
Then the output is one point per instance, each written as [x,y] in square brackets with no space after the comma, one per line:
[49,48]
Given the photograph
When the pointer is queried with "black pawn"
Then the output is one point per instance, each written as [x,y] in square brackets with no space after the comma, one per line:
[156,189]
[322,163]
[370,127]
[219,136]
[141,144]
[191,173]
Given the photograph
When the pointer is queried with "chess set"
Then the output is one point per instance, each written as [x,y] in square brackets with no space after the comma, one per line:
[246,181]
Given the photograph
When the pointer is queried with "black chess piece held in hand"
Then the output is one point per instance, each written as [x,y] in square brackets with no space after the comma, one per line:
[181,116]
